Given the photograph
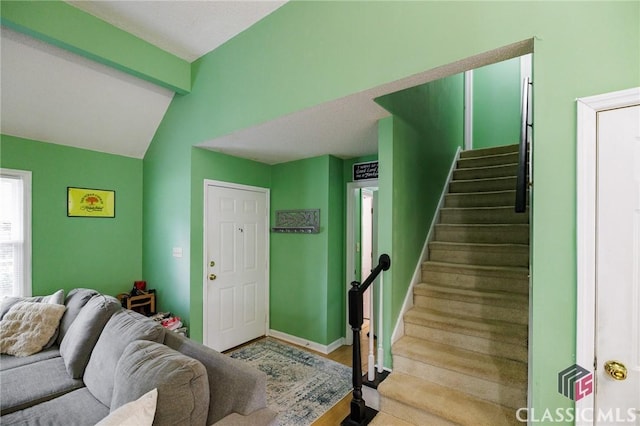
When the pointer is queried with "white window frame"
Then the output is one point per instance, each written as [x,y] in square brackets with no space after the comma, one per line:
[25,177]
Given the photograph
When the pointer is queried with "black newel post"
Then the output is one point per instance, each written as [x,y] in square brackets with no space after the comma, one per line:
[360,414]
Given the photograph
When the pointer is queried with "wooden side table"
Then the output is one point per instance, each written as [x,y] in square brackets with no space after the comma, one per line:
[143,303]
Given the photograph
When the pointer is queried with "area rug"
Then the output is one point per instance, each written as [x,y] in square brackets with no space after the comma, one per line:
[301,386]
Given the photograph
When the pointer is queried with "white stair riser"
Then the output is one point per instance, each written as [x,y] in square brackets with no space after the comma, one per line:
[509,396]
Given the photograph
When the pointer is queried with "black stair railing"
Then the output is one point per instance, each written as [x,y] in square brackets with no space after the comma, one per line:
[360,414]
[522,178]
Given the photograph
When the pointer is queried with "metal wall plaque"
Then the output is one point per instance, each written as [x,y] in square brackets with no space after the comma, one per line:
[297,221]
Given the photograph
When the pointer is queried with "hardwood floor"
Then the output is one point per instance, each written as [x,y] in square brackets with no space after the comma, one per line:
[343,355]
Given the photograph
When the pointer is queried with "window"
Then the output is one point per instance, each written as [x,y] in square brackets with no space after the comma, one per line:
[15,233]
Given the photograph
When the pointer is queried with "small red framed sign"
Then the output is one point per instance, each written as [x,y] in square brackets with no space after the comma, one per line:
[86,202]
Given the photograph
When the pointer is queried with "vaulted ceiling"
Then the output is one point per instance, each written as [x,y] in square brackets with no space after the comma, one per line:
[50,94]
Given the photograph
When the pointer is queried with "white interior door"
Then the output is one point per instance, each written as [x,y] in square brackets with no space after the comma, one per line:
[617,399]
[236,271]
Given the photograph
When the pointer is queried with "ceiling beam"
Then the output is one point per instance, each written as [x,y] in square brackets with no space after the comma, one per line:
[65,26]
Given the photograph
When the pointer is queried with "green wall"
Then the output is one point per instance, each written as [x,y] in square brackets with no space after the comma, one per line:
[307,275]
[341,48]
[336,252]
[496,104]
[427,129]
[69,252]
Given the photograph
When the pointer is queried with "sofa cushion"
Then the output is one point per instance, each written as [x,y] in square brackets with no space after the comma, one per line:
[28,327]
[82,335]
[183,388]
[139,412]
[234,385]
[7,362]
[8,301]
[75,301]
[123,327]
[56,298]
[32,384]
[77,408]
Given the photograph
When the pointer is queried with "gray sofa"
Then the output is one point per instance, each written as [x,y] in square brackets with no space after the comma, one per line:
[105,356]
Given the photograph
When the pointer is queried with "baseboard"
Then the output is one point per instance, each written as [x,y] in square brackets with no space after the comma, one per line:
[324,349]
[398,330]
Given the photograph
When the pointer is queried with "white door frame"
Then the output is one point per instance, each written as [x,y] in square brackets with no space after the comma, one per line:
[586,224]
[351,240]
[230,185]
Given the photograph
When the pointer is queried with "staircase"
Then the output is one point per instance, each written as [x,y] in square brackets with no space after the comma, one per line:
[463,358]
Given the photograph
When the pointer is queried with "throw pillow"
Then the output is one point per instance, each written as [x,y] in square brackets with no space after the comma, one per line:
[28,326]
[57,298]
[139,412]
[8,301]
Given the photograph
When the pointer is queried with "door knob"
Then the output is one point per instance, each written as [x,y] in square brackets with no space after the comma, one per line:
[212,277]
[616,370]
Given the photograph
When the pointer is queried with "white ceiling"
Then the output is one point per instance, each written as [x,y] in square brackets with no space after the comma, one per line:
[52,95]
[186,28]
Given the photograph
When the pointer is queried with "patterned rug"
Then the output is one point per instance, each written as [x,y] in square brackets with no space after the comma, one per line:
[301,386]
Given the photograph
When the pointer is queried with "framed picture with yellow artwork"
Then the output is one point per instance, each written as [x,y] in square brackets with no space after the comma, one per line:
[86,202]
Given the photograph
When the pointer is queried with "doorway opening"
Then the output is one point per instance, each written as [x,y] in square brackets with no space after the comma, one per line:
[362,243]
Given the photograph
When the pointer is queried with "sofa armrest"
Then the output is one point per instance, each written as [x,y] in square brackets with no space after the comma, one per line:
[234,386]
